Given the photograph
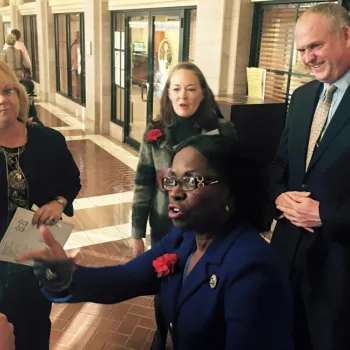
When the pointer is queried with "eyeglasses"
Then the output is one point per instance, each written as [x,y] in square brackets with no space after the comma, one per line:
[187,183]
[8,92]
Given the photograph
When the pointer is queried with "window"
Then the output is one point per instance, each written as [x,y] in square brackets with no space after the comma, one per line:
[61,58]
[118,71]
[70,67]
[192,35]
[6,27]
[30,37]
[274,40]
[189,37]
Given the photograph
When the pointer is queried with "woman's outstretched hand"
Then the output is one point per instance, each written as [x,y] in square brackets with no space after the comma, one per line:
[52,267]
[53,250]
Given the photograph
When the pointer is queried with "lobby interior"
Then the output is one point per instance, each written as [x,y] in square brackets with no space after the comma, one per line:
[101,237]
[95,69]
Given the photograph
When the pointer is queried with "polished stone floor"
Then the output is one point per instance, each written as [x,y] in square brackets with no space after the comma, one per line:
[100,237]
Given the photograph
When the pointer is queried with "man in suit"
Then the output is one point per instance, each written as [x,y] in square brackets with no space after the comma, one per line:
[310,179]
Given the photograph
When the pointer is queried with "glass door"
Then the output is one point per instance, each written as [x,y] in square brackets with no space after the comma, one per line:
[153,49]
[137,76]
[165,54]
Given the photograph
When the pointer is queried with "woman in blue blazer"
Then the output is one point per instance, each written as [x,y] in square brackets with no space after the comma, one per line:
[220,284]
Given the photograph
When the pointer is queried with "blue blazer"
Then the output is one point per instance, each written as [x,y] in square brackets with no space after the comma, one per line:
[249,308]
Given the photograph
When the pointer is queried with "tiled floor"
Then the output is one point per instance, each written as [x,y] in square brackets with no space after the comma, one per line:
[48,118]
[100,237]
[128,325]
[101,172]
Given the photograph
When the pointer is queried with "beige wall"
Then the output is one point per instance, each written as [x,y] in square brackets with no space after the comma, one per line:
[238,54]
[142,4]
[221,49]
[223,43]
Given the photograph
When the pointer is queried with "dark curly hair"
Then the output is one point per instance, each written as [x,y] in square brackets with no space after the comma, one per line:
[237,168]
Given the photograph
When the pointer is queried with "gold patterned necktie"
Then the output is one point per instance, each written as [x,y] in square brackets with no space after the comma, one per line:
[319,122]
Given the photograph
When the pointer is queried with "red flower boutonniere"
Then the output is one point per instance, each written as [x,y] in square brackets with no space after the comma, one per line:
[165,264]
[153,135]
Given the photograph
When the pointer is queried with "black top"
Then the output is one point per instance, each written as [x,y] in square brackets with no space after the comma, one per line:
[17,185]
[49,170]
[185,128]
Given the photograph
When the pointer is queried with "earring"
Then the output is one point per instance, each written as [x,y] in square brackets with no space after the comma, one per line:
[227,208]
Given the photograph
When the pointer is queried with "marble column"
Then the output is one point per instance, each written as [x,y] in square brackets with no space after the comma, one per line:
[97,65]
[223,42]
[209,40]
[105,70]
[2,34]
[16,17]
[242,20]
[46,49]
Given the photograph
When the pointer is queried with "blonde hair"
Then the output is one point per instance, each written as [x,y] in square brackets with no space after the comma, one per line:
[336,14]
[10,39]
[22,94]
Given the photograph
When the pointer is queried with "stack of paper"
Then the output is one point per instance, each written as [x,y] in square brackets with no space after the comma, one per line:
[256,82]
[21,236]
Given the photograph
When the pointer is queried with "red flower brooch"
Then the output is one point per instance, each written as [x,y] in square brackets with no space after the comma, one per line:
[165,264]
[153,135]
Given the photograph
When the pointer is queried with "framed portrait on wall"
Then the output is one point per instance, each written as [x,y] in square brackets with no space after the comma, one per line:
[165,54]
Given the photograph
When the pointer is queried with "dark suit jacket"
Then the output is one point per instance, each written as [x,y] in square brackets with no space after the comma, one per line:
[249,308]
[326,255]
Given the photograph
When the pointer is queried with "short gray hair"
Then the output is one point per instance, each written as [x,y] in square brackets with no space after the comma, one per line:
[336,14]
[10,39]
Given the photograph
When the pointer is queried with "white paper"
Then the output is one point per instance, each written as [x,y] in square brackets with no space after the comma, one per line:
[21,236]
[123,41]
[117,40]
[212,132]
[122,60]
[117,76]
[117,59]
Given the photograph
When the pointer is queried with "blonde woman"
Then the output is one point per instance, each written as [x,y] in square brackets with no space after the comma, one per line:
[14,57]
[20,46]
[36,167]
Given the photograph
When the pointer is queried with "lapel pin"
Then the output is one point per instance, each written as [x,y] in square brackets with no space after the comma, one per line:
[213,281]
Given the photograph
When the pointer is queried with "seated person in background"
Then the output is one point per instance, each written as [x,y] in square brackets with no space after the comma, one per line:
[7,338]
[220,284]
[29,86]
[32,114]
